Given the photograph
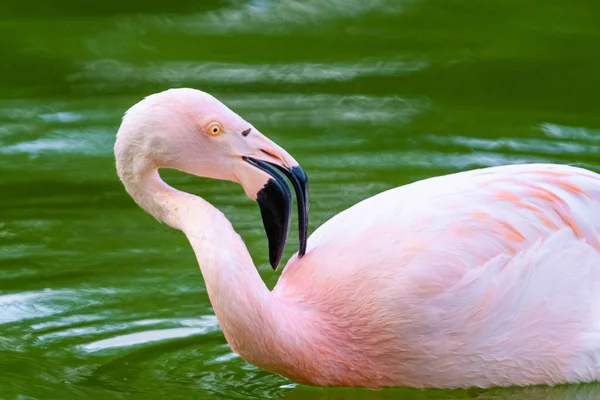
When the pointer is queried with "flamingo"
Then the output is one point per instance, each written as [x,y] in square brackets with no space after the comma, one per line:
[489,277]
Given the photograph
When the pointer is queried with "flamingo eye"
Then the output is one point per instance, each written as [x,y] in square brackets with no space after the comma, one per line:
[214,129]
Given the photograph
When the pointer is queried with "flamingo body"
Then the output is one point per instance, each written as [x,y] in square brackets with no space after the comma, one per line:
[482,278]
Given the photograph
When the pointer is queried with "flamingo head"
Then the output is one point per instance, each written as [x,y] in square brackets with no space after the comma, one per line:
[191,131]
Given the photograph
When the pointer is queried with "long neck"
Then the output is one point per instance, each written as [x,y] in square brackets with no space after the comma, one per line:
[241,301]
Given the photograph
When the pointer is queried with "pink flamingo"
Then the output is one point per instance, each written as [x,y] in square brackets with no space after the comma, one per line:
[483,278]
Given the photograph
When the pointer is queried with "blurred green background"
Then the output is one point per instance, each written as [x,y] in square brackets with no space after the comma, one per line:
[98,300]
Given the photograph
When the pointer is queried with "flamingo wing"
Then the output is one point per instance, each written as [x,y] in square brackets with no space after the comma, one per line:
[454,223]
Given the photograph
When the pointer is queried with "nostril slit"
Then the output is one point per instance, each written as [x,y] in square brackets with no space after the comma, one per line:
[246,132]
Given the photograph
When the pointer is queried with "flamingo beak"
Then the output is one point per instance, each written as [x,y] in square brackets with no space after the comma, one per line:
[275,202]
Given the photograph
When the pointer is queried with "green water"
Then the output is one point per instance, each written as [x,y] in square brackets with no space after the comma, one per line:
[98,301]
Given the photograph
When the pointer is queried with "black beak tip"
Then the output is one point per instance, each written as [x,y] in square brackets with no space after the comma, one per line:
[275,201]
[301,186]
[299,181]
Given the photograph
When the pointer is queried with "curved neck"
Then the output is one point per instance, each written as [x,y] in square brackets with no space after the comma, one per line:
[241,301]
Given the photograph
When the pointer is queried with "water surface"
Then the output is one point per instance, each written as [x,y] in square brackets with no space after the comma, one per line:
[98,300]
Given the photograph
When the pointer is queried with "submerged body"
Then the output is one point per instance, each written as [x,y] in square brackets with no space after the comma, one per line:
[482,278]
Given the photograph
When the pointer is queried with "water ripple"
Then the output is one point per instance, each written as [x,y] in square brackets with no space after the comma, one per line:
[570,132]
[423,159]
[27,305]
[136,338]
[263,16]
[173,72]
[297,109]
[523,145]
[88,141]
